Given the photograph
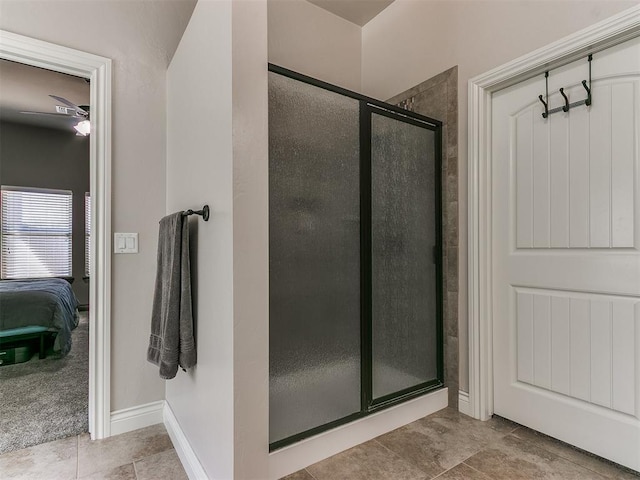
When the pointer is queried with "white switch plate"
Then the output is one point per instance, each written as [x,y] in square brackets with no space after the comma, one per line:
[125,243]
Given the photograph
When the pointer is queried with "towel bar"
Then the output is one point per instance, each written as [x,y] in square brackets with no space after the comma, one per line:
[204,213]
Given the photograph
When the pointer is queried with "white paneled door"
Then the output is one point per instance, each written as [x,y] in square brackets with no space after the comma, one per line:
[566,256]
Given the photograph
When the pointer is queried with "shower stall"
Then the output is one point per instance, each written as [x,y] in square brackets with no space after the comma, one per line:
[355,256]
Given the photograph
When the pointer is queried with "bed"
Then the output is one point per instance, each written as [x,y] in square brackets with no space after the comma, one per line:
[37,307]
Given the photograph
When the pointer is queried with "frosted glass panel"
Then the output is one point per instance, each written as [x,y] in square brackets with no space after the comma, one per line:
[403,223]
[314,234]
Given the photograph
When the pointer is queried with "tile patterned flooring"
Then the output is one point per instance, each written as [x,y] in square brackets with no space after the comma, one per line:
[451,446]
[445,445]
[145,454]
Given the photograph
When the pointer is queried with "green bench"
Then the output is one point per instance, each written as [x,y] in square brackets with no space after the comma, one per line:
[25,333]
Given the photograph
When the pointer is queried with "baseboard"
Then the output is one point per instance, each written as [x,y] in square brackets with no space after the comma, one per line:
[290,459]
[136,417]
[463,403]
[187,456]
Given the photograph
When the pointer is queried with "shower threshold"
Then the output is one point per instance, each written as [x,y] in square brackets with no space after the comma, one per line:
[318,447]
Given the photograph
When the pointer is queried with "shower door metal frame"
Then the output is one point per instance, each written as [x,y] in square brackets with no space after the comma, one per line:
[367,110]
[369,405]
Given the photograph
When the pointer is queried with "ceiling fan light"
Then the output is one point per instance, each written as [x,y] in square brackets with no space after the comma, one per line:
[83,128]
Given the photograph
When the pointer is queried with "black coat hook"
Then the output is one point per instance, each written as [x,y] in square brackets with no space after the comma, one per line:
[545,114]
[567,105]
[566,101]
[588,100]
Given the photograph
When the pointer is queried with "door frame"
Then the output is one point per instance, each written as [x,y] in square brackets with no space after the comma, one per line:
[57,58]
[602,35]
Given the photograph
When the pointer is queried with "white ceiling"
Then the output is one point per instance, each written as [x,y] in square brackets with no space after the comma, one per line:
[27,88]
[355,11]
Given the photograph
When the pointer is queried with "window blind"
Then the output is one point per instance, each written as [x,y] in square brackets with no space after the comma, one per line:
[87,234]
[36,232]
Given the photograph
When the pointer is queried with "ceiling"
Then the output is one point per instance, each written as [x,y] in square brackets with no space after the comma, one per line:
[355,11]
[27,88]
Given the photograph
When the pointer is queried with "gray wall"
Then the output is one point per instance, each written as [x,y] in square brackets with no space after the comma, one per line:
[46,158]
[140,37]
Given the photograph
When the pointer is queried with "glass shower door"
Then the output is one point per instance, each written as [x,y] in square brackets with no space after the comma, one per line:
[354,256]
[314,254]
[404,251]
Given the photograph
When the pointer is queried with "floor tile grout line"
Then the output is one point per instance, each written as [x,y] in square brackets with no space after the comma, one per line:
[563,457]
[375,439]
[502,436]
[518,427]
[558,455]
[407,460]
[477,470]
[503,461]
[78,439]
[606,476]
[309,473]
[482,449]
[442,473]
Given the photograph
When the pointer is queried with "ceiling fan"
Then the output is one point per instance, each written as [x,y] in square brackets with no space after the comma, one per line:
[79,112]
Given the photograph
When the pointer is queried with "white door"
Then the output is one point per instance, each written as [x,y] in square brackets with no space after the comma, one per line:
[566,256]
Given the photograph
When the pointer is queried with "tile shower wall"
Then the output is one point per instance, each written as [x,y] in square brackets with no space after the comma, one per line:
[437,98]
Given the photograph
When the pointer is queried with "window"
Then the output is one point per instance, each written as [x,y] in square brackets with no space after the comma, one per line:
[87,234]
[36,232]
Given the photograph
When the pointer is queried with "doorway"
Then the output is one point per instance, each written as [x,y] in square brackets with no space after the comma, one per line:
[553,216]
[44,255]
[97,70]
[566,285]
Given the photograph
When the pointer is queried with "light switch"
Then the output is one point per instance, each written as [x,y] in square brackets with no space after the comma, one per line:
[125,242]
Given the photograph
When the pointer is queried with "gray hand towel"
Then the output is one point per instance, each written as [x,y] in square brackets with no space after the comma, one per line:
[171,342]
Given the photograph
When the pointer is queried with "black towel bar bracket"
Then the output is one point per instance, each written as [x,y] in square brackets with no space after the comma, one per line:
[204,213]
[567,106]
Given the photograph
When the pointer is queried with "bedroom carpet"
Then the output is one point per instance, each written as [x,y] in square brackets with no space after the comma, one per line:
[44,400]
